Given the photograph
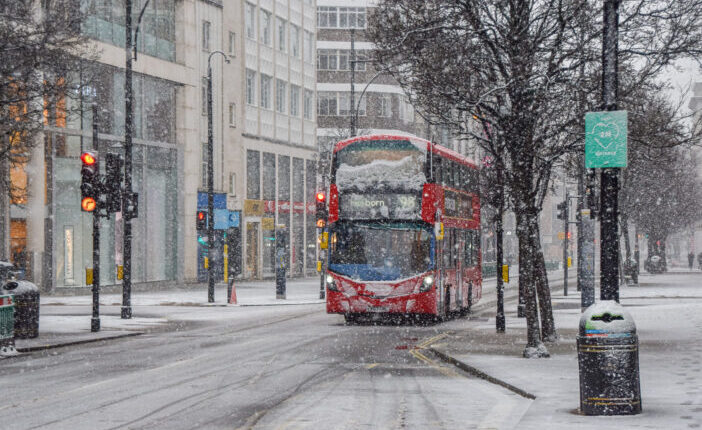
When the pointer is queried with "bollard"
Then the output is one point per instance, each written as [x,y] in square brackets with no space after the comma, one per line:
[608,361]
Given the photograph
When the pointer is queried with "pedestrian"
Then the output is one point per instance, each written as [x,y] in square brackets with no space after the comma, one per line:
[691,259]
[699,260]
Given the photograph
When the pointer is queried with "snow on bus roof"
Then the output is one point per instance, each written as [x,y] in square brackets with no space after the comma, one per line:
[420,143]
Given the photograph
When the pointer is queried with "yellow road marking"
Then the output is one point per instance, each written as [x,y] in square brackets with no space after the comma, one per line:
[370,366]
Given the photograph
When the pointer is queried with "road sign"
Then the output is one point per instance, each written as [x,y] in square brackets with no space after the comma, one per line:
[605,139]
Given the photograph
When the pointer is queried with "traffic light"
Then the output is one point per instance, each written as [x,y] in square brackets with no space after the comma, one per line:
[89,181]
[321,209]
[201,220]
[562,210]
[113,181]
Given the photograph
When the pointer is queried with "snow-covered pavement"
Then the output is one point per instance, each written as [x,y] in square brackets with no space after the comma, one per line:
[667,310]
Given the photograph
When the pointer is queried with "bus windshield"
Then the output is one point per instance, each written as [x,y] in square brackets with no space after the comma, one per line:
[381,251]
[380,166]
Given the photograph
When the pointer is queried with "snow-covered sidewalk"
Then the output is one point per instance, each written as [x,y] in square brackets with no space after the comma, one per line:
[667,310]
[250,293]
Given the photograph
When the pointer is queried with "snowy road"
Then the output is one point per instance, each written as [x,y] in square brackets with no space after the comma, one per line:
[270,368]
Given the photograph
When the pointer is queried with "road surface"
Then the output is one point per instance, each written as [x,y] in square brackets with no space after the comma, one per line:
[278,367]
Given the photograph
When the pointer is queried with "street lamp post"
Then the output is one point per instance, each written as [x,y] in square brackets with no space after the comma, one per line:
[609,183]
[128,195]
[210,179]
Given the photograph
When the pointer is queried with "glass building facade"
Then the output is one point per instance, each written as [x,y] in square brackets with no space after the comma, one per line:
[155,172]
[105,21]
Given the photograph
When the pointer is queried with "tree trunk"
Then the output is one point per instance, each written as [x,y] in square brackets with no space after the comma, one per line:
[525,231]
[548,325]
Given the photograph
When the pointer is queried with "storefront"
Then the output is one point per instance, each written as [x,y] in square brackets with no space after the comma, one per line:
[280,199]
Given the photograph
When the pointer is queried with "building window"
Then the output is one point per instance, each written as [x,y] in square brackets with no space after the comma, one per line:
[308,103]
[327,17]
[250,87]
[406,110]
[326,59]
[282,32]
[203,94]
[250,21]
[232,114]
[204,164]
[281,88]
[352,17]
[232,184]
[294,100]
[309,46]
[265,91]
[341,17]
[385,105]
[206,27]
[253,174]
[345,108]
[232,43]
[265,27]
[295,40]
[326,104]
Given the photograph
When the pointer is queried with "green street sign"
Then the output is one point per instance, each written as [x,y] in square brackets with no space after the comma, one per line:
[605,139]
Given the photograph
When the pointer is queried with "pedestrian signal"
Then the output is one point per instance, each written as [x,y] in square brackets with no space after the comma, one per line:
[201,221]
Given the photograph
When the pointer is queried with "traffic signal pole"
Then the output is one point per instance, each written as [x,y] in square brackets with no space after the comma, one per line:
[609,183]
[127,203]
[565,244]
[210,188]
[95,320]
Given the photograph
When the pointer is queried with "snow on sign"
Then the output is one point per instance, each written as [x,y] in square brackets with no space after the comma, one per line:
[605,139]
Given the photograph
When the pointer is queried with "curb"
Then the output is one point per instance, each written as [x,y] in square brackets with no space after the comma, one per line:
[480,374]
[76,342]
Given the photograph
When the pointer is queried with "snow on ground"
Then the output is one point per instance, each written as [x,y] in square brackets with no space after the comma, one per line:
[667,310]
[298,291]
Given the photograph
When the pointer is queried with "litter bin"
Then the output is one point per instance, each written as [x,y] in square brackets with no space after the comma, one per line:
[26,298]
[7,326]
[608,359]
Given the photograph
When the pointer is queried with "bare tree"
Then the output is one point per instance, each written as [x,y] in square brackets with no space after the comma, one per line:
[42,51]
[518,64]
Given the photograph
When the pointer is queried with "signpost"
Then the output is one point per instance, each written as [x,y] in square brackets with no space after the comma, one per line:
[605,139]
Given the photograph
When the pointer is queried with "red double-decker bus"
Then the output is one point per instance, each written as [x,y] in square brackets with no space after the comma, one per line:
[404,229]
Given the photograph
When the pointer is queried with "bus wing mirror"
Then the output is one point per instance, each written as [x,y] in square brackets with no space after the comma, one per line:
[439,230]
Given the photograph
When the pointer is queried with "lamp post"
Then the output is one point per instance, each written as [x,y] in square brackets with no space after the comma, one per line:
[609,182]
[210,179]
[128,195]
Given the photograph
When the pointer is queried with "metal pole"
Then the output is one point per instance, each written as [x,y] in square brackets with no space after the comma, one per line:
[95,320]
[565,244]
[352,100]
[210,187]
[609,237]
[127,203]
[500,315]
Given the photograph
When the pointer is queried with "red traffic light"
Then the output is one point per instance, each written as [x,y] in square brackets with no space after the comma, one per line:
[88,204]
[320,196]
[201,216]
[88,158]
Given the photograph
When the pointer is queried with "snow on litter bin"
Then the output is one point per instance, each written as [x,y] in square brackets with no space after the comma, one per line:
[26,299]
[608,359]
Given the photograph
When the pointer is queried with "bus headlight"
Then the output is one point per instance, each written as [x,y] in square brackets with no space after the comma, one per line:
[427,283]
[329,280]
